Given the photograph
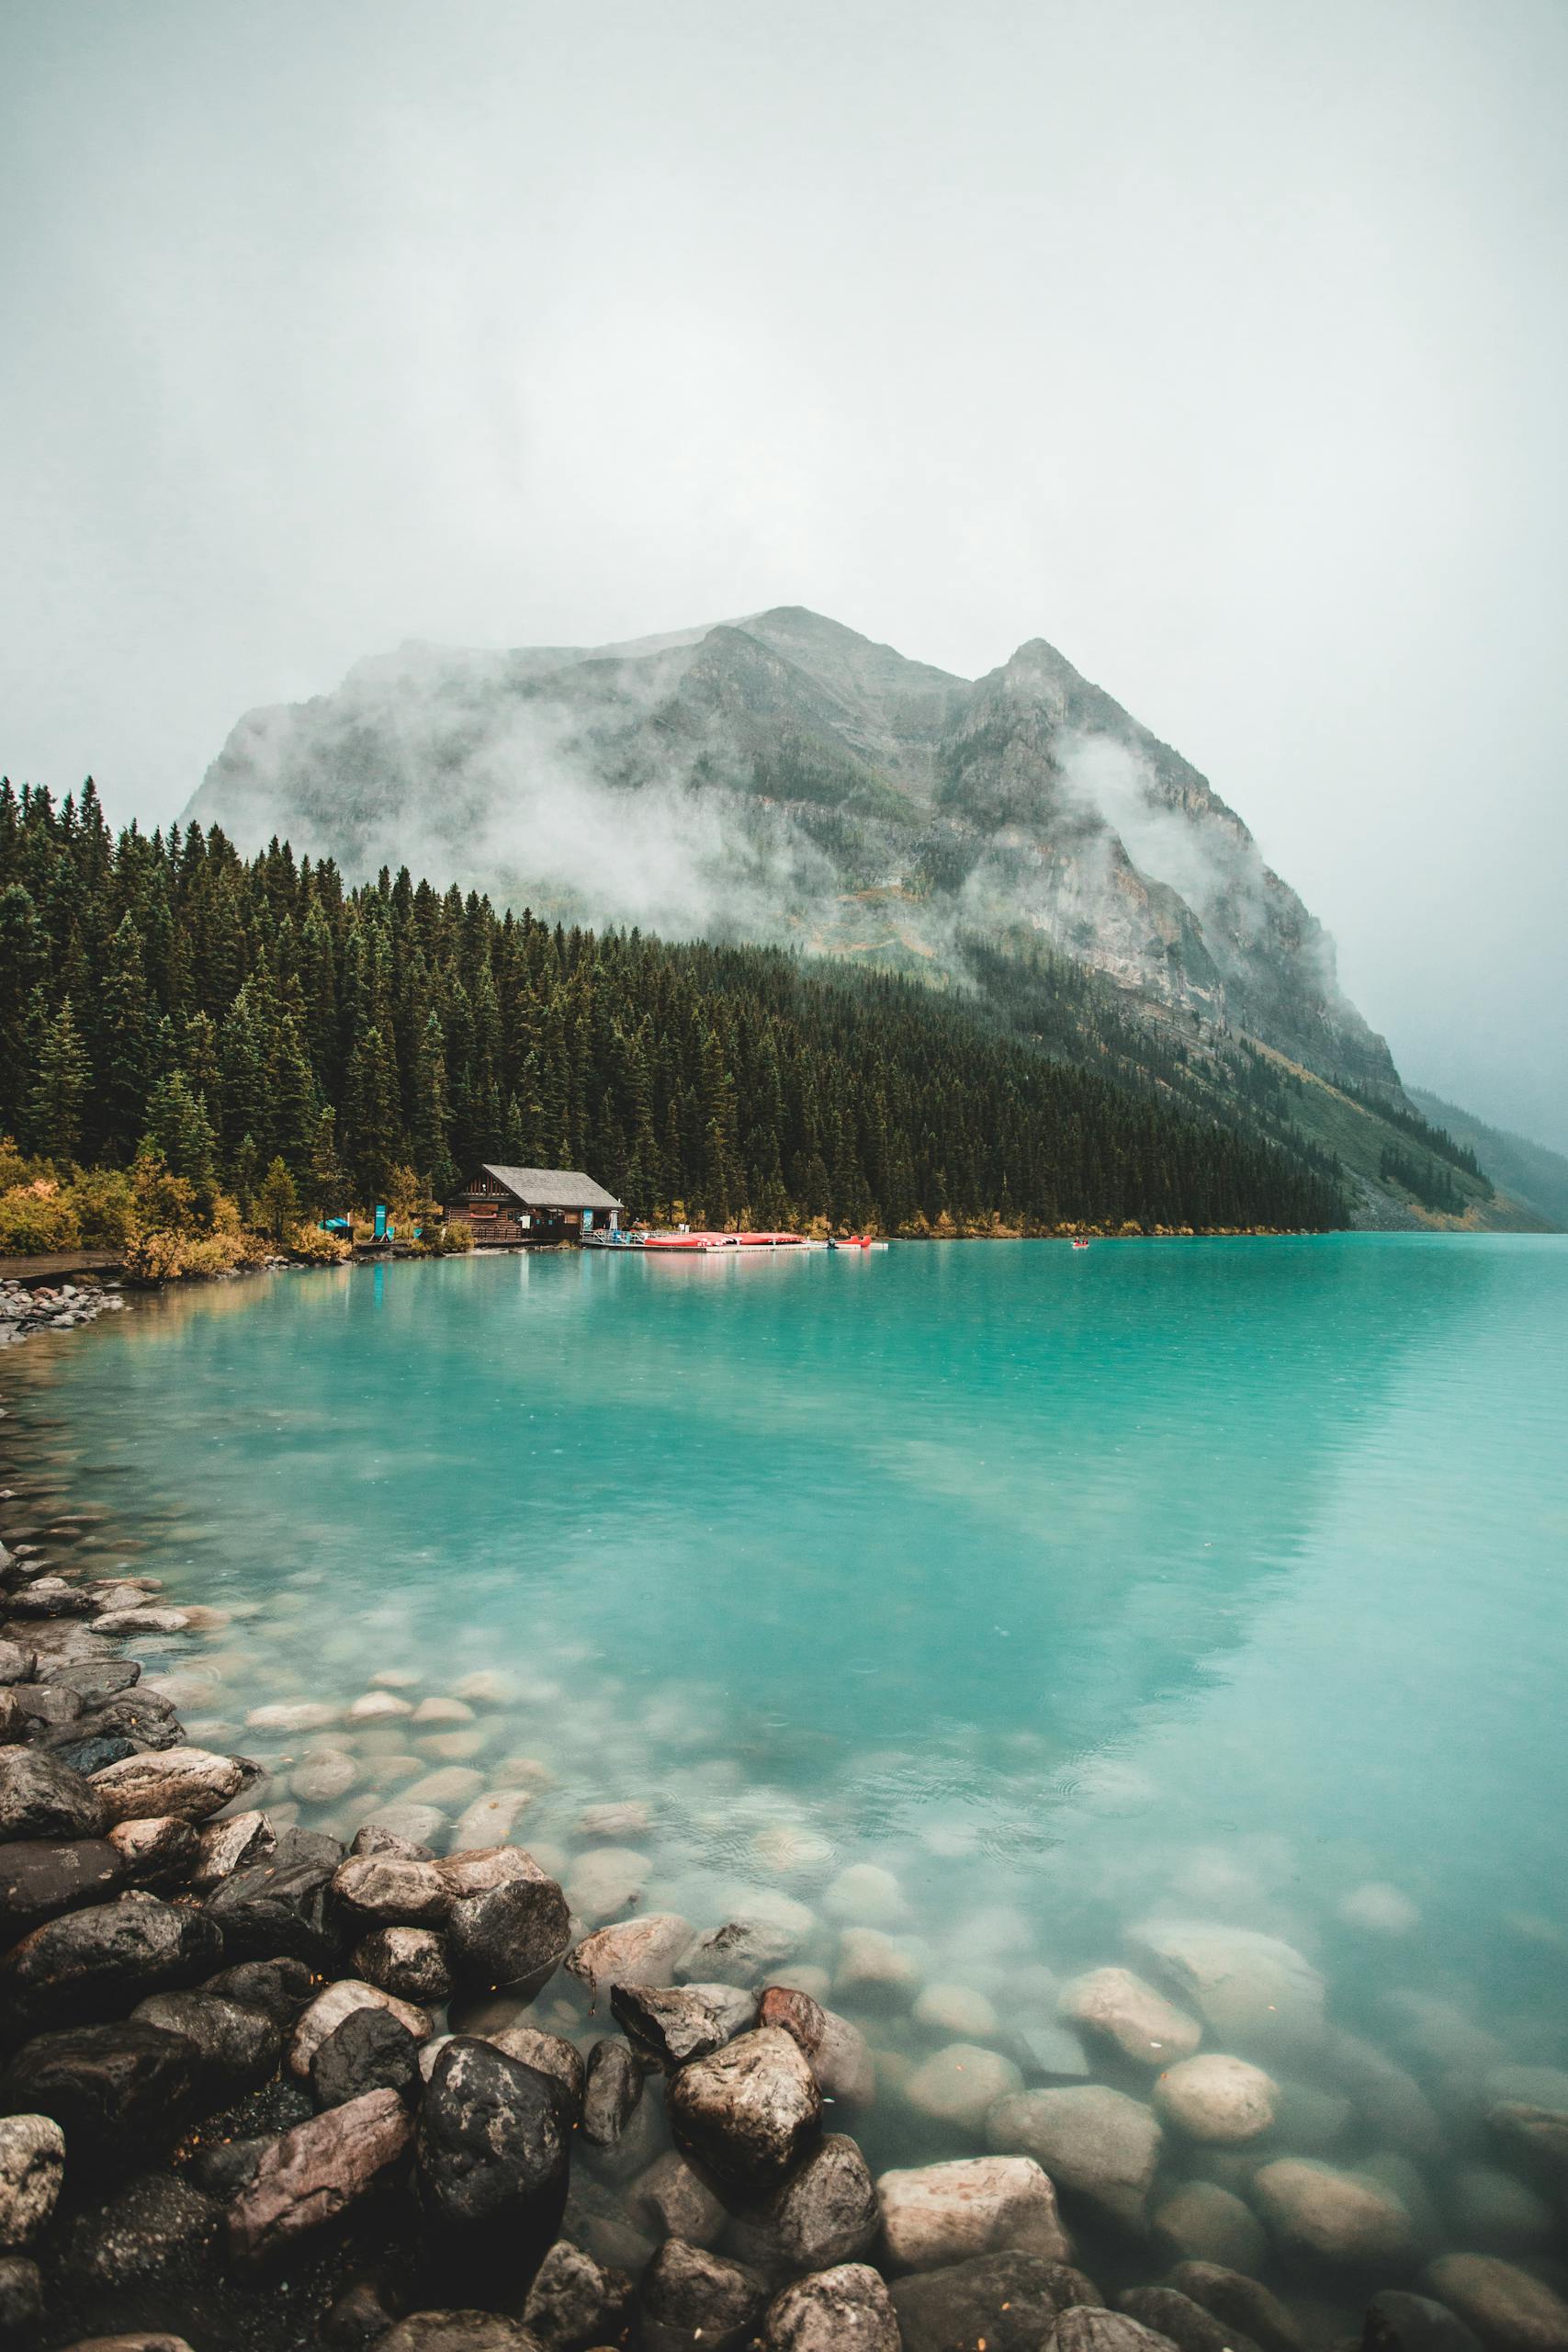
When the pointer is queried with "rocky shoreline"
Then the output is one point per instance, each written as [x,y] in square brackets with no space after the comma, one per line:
[264,2087]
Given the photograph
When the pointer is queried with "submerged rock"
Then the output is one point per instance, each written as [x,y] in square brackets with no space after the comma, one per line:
[1097,2142]
[1009,2301]
[1247,1986]
[1168,2313]
[961,2084]
[835,2050]
[1218,2099]
[190,1781]
[691,2297]
[1396,2322]
[1120,2008]
[1509,2307]
[826,2214]
[456,2331]
[612,2091]
[1084,2330]
[950,2212]
[1238,2302]
[1341,2217]
[676,2202]
[679,2022]
[1201,2223]
[328,2011]
[844,2310]
[576,2302]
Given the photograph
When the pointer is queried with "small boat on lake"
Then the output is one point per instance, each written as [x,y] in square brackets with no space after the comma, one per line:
[690,1242]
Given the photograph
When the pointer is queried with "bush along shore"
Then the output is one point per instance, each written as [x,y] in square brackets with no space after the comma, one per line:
[264,2088]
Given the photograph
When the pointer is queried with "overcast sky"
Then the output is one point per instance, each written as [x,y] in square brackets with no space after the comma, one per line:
[1224,346]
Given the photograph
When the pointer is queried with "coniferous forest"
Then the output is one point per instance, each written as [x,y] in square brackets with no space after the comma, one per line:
[163,1000]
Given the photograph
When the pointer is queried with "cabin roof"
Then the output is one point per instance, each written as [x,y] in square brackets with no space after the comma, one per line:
[553,1188]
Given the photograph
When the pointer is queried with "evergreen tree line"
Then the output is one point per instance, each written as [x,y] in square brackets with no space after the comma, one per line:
[233,1013]
[1427,1180]
[1435,1141]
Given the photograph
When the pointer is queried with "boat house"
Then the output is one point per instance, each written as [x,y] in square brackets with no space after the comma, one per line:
[513,1205]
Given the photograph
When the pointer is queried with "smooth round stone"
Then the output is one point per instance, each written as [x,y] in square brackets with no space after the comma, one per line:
[378,1707]
[628,1818]
[961,2084]
[871,1963]
[443,1711]
[1379,1908]
[1200,2221]
[1213,2096]
[866,1895]
[490,1819]
[1495,2213]
[1339,2216]
[1121,2008]
[323,1775]
[606,1884]
[1507,2308]
[789,1850]
[453,1747]
[956,2009]
[397,1677]
[1087,2138]
[950,2212]
[292,1715]
[487,1689]
[1255,1987]
[455,1784]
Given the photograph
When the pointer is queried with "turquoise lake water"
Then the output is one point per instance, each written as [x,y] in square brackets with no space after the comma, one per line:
[1220,1578]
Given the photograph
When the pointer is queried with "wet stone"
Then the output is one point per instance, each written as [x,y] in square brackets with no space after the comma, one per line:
[386,1890]
[677,2023]
[691,2297]
[1086,2330]
[633,1952]
[826,2214]
[281,1989]
[40,1797]
[1097,2142]
[1120,2008]
[21,2299]
[457,2331]
[32,2168]
[1397,2321]
[945,2213]
[239,2046]
[676,2203]
[492,2153]
[1238,2302]
[576,2302]
[1340,2217]
[612,2092]
[1201,2223]
[161,1848]
[1509,2309]
[370,2050]
[547,2053]
[514,1933]
[40,1877]
[410,1962]
[311,2178]
[191,1781]
[1215,2097]
[104,1957]
[961,2084]
[1186,2323]
[750,2110]
[847,2309]
[328,2009]
[147,2228]
[117,2091]
[1010,2301]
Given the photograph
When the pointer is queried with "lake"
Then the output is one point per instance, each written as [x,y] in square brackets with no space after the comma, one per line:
[981,1603]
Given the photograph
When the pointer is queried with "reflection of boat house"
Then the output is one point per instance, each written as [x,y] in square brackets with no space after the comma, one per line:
[512,1205]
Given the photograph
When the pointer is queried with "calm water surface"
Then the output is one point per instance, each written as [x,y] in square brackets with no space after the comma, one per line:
[1224,1579]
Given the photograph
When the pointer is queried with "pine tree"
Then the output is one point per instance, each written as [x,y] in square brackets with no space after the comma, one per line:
[179,1130]
[123,1040]
[61,1077]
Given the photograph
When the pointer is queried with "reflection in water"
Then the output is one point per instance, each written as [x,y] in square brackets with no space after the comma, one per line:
[1215,1579]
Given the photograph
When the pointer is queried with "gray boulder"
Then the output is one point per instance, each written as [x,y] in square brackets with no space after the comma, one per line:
[42,1798]
[675,2023]
[575,2302]
[515,1932]
[1098,2143]
[824,2215]
[1190,2327]
[1240,2302]
[749,2111]
[32,2168]
[696,2302]
[105,1958]
[410,1962]
[370,2050]
[1013,2301]
[844,2310]
[1397,2321]
[492,2150]
[117,2092]
[239,2046]
[612,2092]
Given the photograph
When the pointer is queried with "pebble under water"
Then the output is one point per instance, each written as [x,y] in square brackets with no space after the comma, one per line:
[971,1616]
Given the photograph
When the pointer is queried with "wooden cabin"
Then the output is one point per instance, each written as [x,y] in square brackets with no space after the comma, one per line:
[508,1205]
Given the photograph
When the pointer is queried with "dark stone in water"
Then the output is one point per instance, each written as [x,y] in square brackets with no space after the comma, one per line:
[373,1840]
[408,1962]
[40,1797]
[359,2316]
[492,2150]
[105,1958]
[140,1716]
[281,1908]
[612,2094]
[370,2050]
[116,2091]
[1239,2302]
[50,1706]
[311,2178]
[226,2166]
[575,2302]
[1014,2301]
[1084,2330]
[515,1933]
[1190,2327]
[679,2022]
[1400,2322]
[691,2296]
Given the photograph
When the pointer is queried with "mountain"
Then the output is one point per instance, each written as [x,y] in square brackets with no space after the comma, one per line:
[1534,1175]
[781,778]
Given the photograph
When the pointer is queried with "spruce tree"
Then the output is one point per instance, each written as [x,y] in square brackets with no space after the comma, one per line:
[61,1075]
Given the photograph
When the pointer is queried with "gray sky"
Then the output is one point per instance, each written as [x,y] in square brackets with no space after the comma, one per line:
[1222,344]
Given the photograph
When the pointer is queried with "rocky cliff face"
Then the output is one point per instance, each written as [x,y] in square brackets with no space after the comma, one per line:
[782,777]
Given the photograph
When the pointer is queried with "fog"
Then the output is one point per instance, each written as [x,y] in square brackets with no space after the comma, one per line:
[1221,346]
